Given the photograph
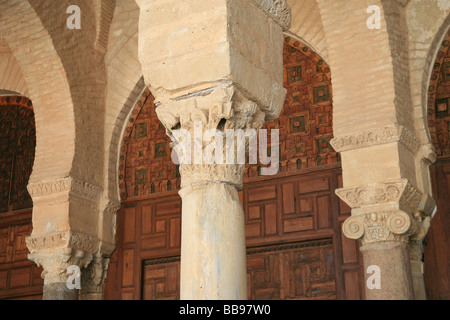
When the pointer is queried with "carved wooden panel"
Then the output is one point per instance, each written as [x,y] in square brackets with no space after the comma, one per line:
[297,271]
[291,208]
[306,121]
[145,164]
[19,277]
[12,243]
[439,100]
[436,244]
[161,280]
[17,146]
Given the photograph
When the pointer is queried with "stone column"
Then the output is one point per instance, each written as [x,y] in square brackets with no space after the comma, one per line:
[59,254]
[389,218]
[65,233]
[94,276]
[218,63]
[376,132]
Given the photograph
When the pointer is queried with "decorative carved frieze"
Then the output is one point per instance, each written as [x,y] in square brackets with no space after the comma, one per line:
[400,191]
[67,185]
[58,240]
[377,136]
[278,10]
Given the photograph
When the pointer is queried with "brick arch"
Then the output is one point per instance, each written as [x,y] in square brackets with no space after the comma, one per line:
[125,85]
[116,143]
[33,49]
[11,76]
[307,25]
[438,107]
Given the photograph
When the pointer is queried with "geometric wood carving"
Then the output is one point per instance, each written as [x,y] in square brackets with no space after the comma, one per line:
[17,147]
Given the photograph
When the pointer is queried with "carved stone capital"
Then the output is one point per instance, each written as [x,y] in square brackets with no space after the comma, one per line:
[393,210]
[48,243]
[377,136]
[278,10]
[56,264]
[94,276]
[64,187]
[224,108]
[112,207]
[195,173]
[400,194]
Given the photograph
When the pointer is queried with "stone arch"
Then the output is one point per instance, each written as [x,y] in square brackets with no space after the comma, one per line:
[51,95]
[125,86]
[135,100]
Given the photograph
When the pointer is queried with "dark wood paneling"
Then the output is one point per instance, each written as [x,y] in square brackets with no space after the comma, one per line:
[314,212]
[437,244]
[19,278]
[298,271]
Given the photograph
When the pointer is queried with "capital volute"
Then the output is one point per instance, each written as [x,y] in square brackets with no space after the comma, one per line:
[388,211]
[381,226]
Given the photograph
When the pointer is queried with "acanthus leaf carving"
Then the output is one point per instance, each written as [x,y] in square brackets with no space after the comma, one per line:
[221,108]
[94,275]
[56,263]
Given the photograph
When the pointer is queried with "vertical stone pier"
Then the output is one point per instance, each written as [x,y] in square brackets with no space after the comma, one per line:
[218,63]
